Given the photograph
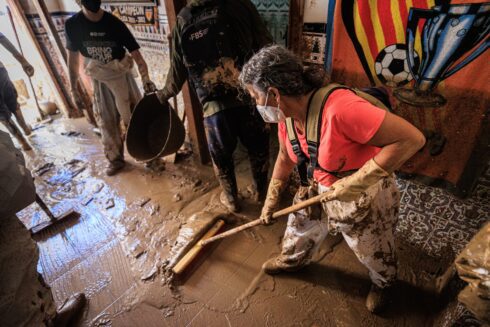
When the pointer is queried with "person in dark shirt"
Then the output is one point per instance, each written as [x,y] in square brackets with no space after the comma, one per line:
[210,42]
[105,41]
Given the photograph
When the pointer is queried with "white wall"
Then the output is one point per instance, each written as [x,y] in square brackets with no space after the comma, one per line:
[53,6]
[315,11]
[68,6]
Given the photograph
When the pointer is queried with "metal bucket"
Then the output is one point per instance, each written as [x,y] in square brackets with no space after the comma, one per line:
[155,130]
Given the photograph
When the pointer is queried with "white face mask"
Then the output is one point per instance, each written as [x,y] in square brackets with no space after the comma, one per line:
[270,114]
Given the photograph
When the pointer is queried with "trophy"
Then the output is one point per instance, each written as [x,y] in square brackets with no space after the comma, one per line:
[449,32]
[149,14]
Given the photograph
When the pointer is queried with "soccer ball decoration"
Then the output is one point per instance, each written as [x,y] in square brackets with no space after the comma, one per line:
[391,65]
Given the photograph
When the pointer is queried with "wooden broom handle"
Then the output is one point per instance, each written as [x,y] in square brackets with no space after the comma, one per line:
[295,207]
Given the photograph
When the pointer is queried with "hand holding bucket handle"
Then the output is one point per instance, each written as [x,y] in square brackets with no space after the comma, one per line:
[149,87]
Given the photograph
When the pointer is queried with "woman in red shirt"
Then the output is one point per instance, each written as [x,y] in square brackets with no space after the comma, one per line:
[354,136]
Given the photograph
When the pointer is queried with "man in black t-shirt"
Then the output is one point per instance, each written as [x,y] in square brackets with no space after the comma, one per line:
[105,42]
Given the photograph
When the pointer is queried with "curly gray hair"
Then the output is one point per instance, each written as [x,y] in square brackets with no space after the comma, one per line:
[275,66]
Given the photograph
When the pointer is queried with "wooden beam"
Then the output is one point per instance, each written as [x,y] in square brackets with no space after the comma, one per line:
[192,106]
[295,28]
[59,48]
[18,13]
[50,28]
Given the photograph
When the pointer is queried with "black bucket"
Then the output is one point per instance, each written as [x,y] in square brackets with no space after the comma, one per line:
[155,130]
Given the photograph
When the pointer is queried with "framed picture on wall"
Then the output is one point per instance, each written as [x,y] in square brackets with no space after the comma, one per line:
[131,2]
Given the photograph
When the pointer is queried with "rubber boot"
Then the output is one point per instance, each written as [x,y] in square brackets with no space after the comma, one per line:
[260,170]
[230,202]
[259,187]
[69,309]
[114,167]
[376,299]
[275,266]
[21,121]
[229,195]
[156,165]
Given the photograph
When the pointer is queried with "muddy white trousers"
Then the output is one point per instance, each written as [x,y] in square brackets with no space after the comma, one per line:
[367,226]
[115,95]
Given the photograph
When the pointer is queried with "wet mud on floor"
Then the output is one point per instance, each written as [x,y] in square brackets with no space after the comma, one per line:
[118,249]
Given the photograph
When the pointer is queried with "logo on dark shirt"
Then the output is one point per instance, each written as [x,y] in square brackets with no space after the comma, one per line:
[199,34]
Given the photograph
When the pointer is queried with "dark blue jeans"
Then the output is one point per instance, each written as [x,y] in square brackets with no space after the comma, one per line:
[223,130]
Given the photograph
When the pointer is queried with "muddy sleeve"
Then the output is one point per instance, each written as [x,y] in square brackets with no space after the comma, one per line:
[177,74]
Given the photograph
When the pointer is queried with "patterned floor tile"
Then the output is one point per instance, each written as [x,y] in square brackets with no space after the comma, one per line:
[425,199]
[469,214]
[438,222]
[414,226]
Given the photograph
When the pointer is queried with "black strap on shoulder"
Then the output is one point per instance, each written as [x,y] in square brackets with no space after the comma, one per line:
[302,159]
[316,103]
[314,124]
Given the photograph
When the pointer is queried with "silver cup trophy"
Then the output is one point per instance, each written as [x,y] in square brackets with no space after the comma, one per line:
[449,32]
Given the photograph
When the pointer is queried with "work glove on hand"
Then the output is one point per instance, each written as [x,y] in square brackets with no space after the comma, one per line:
[276,186]
[28,69]
[148,85]
[350,188]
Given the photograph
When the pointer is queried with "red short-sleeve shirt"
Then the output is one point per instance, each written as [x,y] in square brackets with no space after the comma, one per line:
[348,123]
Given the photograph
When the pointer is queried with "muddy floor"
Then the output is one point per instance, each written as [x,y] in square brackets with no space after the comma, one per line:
[118,249]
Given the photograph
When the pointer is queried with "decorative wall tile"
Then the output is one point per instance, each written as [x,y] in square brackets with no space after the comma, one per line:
[276,16]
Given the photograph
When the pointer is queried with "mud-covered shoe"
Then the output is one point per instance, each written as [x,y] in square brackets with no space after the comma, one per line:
[376,299]
[156,165]
[68,310]
[113,167]
[258,196]
[275,266]
[229,202]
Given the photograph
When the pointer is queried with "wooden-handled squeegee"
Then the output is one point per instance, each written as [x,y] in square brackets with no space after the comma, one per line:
[295,207]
